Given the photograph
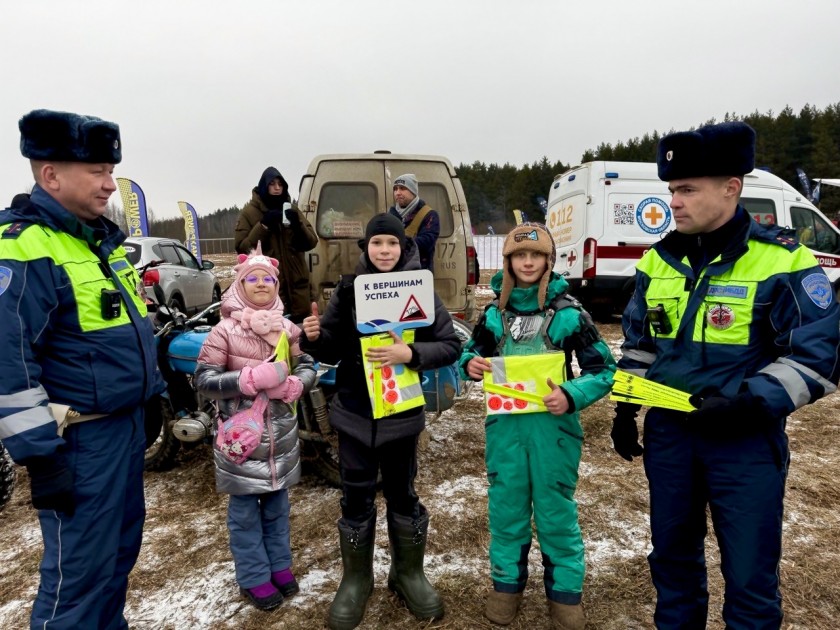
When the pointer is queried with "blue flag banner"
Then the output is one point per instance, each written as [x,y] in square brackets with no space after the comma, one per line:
[134,206]
[803,179]
[190,228]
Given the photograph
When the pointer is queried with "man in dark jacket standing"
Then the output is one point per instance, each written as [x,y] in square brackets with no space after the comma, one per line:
[75,334]
[272,219]
[419,220]
[741,316]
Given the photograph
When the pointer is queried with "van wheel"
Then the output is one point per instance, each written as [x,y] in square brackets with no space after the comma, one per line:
[162,448]
[8,476]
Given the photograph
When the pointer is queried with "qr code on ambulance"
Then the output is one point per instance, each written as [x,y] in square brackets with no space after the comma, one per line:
[624,213]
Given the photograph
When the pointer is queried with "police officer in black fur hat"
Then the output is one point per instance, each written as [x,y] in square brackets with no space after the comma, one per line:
[742,317]
[75,336]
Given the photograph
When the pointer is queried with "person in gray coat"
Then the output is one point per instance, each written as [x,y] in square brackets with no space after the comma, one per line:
[252,358]
[367,446]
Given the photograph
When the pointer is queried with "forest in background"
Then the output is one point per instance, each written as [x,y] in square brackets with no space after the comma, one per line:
[787,141]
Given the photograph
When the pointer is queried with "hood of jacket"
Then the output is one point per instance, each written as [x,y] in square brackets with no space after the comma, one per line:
[272,201]
[409,260]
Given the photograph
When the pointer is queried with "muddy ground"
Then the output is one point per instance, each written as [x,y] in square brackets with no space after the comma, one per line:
[184,577]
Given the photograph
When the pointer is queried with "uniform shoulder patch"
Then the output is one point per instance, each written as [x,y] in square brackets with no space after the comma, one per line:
[15,229]
[818,288]
[5,279]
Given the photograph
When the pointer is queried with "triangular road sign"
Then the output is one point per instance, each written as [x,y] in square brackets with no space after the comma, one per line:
[412,311]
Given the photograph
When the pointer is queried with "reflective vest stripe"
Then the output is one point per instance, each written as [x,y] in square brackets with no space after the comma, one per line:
[88,280]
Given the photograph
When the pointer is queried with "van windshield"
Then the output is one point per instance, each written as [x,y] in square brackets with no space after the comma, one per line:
[344,209]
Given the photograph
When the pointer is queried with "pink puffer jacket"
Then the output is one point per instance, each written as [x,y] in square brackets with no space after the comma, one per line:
[229,347]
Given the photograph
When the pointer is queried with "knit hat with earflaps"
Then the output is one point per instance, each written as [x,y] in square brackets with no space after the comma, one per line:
[533,237]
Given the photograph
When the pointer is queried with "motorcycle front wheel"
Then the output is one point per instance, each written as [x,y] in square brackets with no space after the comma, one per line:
[8,476]
[161,447]
[322,457]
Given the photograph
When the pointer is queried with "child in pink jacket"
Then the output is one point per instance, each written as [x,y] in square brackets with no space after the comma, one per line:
[237,362]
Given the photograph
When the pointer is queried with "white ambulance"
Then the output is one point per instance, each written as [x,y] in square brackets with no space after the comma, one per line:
[604,215]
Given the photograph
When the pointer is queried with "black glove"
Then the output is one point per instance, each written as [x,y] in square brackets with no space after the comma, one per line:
[625,433]
[273,219]
[727,416]
[52,483]
[292,216]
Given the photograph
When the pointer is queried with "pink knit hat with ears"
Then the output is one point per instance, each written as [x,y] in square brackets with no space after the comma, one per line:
[248,265]
[256,260]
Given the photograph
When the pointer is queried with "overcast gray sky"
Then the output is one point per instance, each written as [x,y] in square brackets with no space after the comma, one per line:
[208,93]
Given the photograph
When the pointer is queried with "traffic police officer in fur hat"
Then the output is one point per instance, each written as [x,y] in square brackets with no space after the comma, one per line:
[75,335]
[742,317]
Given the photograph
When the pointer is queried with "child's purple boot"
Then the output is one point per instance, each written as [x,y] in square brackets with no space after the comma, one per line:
[265,596]
[285,582]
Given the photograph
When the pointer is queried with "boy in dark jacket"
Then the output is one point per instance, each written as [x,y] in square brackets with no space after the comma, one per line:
[532,458]
[389,444]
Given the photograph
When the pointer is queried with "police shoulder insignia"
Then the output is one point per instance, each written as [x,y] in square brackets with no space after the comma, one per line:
[818,288]
[5,279]
[14,230]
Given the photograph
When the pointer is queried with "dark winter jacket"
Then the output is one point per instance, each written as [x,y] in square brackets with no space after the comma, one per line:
[287,244]
[56,343]
[434,346]
[427,234]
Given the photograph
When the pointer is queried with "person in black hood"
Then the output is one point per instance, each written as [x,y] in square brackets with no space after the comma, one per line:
[272,219]
[366,445]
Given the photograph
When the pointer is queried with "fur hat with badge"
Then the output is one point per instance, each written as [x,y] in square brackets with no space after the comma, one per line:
[65,137]
[726,150]
[533,237]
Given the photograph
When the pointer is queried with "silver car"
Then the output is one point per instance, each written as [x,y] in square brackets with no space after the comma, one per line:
[186,283]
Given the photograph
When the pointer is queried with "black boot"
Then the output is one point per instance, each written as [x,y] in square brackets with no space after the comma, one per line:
[406,578]
[348,607]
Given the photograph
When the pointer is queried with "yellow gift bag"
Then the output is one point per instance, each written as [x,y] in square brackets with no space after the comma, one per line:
[282,352]
[517,384]
[393,388]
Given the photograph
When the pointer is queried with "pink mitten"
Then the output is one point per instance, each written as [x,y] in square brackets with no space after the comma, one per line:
[261,377]
[288,391]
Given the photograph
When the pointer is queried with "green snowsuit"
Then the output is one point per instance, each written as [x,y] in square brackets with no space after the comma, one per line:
[532,459]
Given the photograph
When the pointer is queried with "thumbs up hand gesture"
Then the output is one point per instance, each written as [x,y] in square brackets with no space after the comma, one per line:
[556,402]
[312,324]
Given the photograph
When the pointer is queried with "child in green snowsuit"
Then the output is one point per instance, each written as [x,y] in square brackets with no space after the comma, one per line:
[532,458]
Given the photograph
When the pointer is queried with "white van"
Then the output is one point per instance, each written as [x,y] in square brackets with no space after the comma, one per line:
[340,193]
[604,215]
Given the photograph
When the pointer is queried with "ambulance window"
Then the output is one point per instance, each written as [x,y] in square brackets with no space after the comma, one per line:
[813,231]
[762,210]
[345,209]
[435,195]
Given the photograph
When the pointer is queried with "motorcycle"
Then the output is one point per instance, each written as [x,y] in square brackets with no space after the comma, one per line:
[181,418]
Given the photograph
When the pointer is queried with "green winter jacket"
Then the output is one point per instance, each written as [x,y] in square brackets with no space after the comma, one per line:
[571,329]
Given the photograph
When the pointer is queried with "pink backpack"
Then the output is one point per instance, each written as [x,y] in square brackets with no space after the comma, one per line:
[239,436]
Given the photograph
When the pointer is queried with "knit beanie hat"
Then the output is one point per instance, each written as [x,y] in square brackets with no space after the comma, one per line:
[385,223]
[247,265]
[409,180]
[533,237]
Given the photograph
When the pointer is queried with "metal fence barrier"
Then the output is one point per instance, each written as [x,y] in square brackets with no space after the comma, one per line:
[210,246]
